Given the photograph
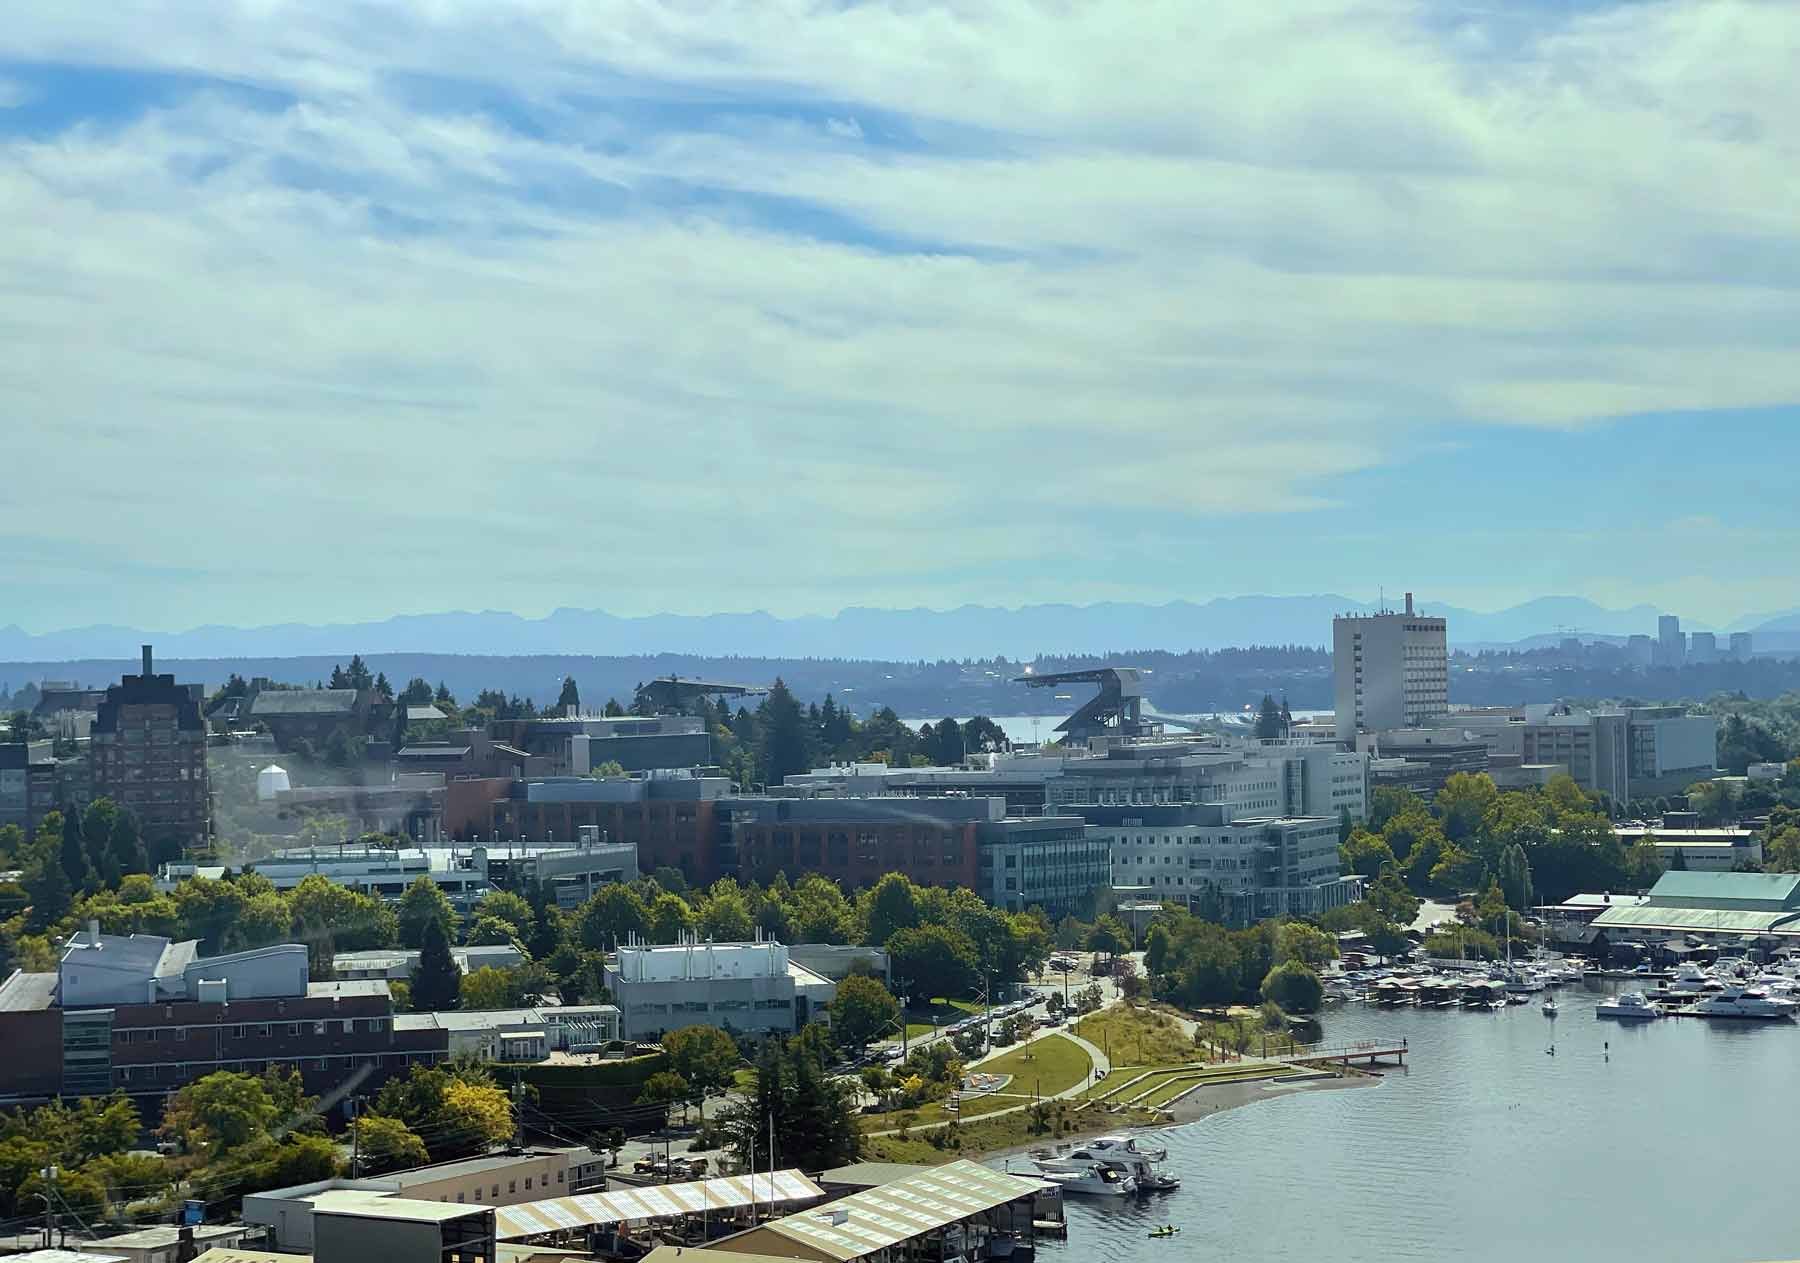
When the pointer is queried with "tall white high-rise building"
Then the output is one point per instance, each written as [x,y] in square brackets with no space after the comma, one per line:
[1391,670]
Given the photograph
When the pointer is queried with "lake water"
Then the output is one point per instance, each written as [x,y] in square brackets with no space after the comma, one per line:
[1675,1143]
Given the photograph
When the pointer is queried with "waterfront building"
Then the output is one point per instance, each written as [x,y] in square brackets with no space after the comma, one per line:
[748,987]
[1389,670]
[1737,909]
[148,754]
[1720,850]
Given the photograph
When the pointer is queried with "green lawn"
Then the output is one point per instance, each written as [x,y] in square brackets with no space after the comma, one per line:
[1043,1067]
[1142,1037]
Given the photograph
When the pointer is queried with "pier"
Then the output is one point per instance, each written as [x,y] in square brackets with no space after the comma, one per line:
[1369,1052]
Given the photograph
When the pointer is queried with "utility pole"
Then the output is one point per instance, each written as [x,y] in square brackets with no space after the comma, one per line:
[902,984]
[355,1114]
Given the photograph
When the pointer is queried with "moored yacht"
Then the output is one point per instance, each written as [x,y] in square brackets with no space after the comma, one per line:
[1134,1156]
[1745,1002]
[1092,1179]
[1629,1006]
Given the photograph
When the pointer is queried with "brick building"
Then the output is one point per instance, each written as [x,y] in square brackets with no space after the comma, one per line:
[146,1016]
[148,754]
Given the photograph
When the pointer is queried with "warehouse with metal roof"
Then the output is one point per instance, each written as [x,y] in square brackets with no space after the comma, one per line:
[1710,906]
[938,1213]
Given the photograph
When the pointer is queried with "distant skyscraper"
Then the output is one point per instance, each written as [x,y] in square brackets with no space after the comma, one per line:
[1390,670]
[1740,646]
[1671,645]
[1640,651]
[1703,647]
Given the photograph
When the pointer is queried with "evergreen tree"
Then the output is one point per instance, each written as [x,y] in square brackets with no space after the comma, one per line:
[569,700]
[74,857]
[443,696]
[338,679]
[358,673]
[950,747]
[124,846]
[613,709]
[784,748]
[436,982]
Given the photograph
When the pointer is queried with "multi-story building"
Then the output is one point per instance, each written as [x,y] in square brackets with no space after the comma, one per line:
[669,817]
[1640,651]
[1390,670]
[1296,777]
[1741,646]
[751,987]
[575,745]
[148,754]
[1671,645]
[15,785]
[1703,647]
[1199,854]
[312,715]
[146,1016]
[1015,862]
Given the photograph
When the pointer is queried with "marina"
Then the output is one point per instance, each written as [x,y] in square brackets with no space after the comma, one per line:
[1479,1128]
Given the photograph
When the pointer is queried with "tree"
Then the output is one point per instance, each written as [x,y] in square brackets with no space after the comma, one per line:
[455,1111]
[890,905]
[936,960]
[725,913]
[614,912]
[1293,988]
[424,904]
[705,1057]
[982,735]
[1515,877]
[436,981]
[218,1113]
[862,1011]
[386,1144]
[1299,941]
[669,918]
[1366,853]
[793,1097]
[950,747]
[1156,949]
[47,882]
[1467,805]
[663,1088]
[354,921]
[784,748]
[569,700]
[1109,937]
[490,987]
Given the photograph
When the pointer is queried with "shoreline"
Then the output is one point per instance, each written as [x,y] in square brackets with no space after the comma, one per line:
[1194,1108]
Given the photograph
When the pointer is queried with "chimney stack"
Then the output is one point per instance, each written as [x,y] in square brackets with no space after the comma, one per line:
[146,662]
[1408,607]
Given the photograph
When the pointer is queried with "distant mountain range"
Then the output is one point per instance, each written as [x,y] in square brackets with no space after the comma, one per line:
[969,631]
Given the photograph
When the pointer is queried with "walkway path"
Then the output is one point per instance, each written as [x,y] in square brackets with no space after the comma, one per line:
[1095,1057]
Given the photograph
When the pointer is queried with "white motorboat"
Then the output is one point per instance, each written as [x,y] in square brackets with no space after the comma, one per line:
[1745,1002]
[1134,1156]
[1551,1008]
[1627,1006]
[1090,1179]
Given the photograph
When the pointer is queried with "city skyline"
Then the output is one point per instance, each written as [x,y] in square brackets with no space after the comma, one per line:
[321,313]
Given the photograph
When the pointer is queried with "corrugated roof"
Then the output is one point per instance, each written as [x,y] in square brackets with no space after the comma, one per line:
[1746,892]
[881,1217]
[1698,920]
[304,702]
[655,1201]
[27,993]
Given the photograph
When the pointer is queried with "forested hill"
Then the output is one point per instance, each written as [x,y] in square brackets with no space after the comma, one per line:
[1225,679]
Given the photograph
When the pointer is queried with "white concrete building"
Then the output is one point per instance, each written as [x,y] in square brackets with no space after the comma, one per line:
[1390,670]
[755,987]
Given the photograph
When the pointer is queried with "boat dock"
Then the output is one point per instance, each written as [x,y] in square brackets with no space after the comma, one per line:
[1368,1052]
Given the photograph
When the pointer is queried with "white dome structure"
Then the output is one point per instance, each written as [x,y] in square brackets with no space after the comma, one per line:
[271,781]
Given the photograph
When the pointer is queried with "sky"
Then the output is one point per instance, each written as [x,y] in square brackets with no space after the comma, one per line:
[325,311]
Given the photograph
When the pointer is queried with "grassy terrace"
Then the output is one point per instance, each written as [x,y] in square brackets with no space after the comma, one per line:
[1137,1037]
[1044,1067]
[1058,1119]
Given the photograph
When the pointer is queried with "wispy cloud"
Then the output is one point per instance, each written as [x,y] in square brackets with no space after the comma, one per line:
[774,287]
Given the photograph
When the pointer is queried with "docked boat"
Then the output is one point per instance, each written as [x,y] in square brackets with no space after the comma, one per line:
[1627,1006]
[1086,1179]
[1133,1156]
[1745,1002]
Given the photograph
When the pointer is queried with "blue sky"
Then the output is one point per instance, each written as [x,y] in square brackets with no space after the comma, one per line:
[333,311]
